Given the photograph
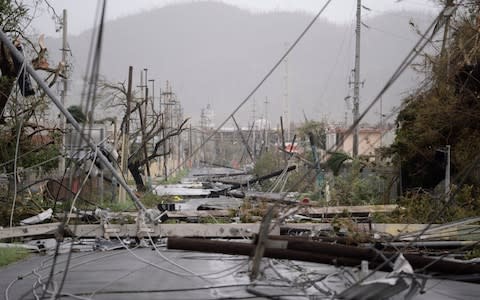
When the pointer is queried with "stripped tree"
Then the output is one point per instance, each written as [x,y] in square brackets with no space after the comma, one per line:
[154,133]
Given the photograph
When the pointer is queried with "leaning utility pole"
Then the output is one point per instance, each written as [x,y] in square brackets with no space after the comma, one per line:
[64,92]
[76,126]
[356,84]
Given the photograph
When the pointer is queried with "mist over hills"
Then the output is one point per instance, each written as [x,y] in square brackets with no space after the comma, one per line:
[213,53]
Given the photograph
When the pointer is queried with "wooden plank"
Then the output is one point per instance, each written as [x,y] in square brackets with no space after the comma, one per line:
[261,243]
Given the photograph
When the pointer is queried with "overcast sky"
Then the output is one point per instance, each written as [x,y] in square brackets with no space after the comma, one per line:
[81,13]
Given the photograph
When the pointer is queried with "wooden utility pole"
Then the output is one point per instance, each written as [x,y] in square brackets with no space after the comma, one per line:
[125,137]
[144,129]
[282,132]
[65,86]
[144,138]
[356,84]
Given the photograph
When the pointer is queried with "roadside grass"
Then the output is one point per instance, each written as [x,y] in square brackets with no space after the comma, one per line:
[10,255]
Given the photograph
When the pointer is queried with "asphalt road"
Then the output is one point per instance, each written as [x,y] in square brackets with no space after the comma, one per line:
[147,274]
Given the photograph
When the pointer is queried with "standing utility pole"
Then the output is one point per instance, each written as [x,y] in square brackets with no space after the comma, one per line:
[286,104]
[64,92]
[443,52]
[126,134]
[267,124]
[356,84]
[145,148]
[447,175]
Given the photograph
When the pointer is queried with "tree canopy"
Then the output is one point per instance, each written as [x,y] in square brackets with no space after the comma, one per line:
[445,110]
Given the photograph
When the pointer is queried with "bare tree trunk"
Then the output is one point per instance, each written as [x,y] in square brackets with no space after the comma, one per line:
[134,169]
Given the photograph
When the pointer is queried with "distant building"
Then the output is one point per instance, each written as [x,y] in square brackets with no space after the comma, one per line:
[369,139]
[207,117]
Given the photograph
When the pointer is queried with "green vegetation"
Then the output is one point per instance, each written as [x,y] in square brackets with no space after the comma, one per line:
[317,130]
[10,255]
[77,113]
[422,207]
[353,188]
[301,180]
[445,112]
[474,253]
[176,178]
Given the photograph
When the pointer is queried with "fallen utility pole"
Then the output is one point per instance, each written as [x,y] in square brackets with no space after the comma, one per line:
[137,230]
[21,59]
[244,141]
[323,253]
[259,179]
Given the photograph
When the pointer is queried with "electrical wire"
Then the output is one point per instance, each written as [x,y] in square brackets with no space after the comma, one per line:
[188,270]
[447,203]
[115,280]
[90,95]
[173,290]
[21,71]
[255,89]
[15,179]
[23,154]
[43,267]
[87,176]
[34,166]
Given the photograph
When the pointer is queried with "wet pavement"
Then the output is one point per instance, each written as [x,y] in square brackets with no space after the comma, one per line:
[168,274]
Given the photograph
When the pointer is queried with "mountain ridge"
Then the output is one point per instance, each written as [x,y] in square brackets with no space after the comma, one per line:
[214,53]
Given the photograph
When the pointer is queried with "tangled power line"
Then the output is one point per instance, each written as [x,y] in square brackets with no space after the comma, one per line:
[207,277]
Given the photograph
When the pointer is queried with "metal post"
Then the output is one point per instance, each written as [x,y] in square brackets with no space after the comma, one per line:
[356,84]
[19,57]
[447,175]
[153,95]
[190,148]
[101,186]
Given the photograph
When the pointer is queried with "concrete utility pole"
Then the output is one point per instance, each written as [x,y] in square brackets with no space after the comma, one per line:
[443,52]
[356,84]
[65,85]
[152,103]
